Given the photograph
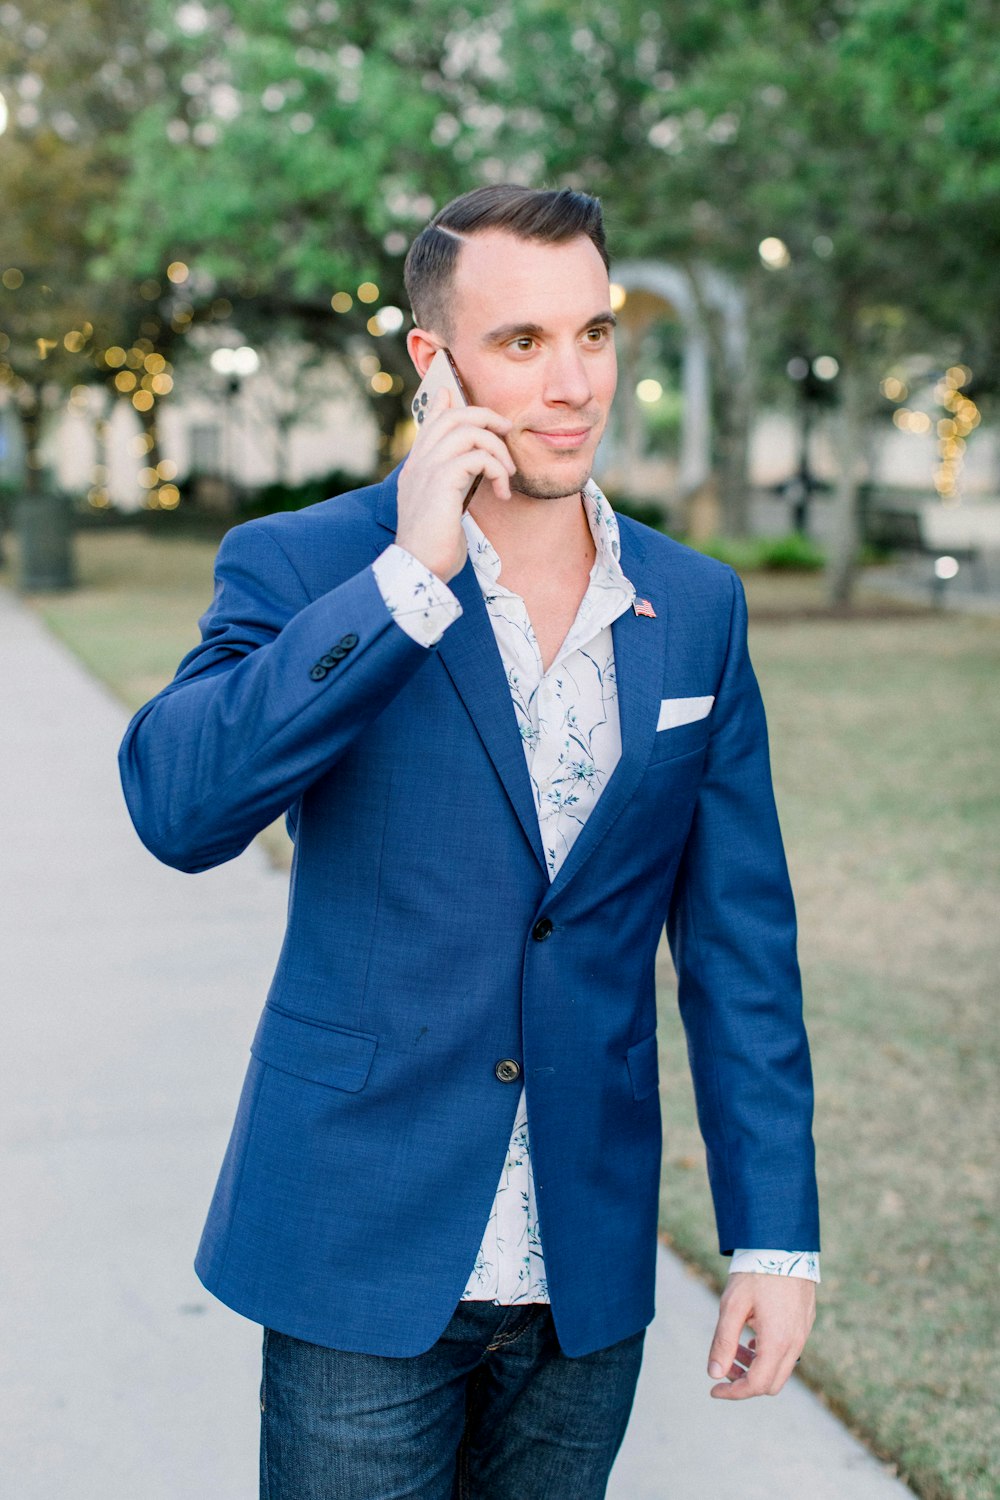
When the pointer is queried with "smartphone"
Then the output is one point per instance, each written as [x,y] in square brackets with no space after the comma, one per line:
[442,371]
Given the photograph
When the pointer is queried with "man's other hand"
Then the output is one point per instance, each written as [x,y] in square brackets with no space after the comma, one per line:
[781,1311]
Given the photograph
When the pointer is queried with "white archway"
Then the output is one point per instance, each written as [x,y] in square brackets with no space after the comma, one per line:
[691,296]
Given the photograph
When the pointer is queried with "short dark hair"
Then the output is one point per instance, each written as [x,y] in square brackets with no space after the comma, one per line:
[550,216]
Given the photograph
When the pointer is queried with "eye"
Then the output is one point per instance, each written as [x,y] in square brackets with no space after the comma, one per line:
[599,334]
[524,344]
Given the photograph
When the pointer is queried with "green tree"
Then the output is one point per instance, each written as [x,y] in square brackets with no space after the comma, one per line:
[862,137]
[832,129]
[73,73]
[291,155]
[295,149]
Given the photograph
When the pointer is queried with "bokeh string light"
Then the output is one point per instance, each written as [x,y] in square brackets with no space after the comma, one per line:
[952,430]
[140,374]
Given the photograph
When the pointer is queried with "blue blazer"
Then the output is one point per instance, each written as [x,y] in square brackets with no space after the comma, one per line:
[425,942]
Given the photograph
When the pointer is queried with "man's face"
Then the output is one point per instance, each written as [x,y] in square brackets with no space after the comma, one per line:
[532,337]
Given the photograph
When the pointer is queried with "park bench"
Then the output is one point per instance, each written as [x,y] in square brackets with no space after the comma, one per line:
[966,532]
[950,536]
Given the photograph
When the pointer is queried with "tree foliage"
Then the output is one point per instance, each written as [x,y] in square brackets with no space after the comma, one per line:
[288,151]
[74,74]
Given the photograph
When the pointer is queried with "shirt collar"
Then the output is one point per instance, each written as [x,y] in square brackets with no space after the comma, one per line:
[603,523]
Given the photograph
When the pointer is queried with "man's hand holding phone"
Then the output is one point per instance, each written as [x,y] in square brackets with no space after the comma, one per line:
[455,444]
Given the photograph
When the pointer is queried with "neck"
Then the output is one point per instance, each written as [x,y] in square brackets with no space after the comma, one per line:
[524,530]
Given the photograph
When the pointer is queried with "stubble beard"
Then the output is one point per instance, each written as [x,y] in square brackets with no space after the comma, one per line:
[541,487]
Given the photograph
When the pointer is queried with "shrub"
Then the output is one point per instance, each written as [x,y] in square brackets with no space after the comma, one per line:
[770,554]
[282,497]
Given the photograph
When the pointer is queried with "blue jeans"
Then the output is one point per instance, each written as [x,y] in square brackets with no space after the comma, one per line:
[493,1411]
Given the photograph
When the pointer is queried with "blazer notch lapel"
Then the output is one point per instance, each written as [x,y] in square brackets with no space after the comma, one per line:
[640,645]
[472,659]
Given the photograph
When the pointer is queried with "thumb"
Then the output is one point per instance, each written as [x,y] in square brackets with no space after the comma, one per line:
[726,1342]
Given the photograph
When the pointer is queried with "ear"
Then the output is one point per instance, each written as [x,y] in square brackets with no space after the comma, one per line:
[422,347]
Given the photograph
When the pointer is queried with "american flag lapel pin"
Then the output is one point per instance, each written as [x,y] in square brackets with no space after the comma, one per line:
[643,607]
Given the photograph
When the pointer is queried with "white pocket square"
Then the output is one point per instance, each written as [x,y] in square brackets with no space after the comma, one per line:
[675,711]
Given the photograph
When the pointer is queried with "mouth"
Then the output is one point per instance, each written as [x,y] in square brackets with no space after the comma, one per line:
[561,438]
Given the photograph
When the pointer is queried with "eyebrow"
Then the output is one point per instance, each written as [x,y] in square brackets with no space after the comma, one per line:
[534,330]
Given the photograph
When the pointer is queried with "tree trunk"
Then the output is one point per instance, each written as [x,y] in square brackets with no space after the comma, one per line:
[845,544]
[151,460]
[732,437]
[282,434]
[43,519]
[30,411]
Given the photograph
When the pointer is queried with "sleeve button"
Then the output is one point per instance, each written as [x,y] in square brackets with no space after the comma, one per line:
[318,672]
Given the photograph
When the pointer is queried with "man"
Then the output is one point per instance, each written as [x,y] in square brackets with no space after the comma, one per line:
[512,742]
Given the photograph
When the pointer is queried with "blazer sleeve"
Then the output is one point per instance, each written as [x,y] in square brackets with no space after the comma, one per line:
[732,932]
[280,686]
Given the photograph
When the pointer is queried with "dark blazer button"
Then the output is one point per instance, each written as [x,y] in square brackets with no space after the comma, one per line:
[349,641]
[507,1070]
[338,652]
[541,930]
[318,672]
[328,661]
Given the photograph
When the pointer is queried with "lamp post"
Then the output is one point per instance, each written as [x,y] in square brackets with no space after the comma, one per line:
[43,518]
[813,379]
[234,365]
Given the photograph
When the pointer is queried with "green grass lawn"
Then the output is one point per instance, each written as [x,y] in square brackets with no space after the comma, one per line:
[886,750]
[886,747]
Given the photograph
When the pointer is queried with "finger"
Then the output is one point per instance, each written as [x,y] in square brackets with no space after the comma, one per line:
[734,1309]
[480,416]
[474,441]
[741,1364]
[490,469]
[764,1377]
[450,435]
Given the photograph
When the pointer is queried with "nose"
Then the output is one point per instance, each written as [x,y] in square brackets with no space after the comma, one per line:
[567,381]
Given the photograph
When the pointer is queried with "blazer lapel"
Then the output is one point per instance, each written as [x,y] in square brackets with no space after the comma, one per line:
[640,645]
[470,655]
[469,652]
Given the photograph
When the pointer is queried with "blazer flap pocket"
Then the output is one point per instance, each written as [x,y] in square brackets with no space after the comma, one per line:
[643,1067]
[330,1055]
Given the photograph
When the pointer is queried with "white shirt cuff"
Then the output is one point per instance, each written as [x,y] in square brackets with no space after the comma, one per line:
[416,598]
[802,1263]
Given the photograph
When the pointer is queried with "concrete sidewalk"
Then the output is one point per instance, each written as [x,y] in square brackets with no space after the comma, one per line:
[130,994]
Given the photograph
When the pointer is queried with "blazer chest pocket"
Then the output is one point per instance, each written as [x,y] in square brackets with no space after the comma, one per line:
[685,739]
[330,1055]
[682,726]
[644,1067]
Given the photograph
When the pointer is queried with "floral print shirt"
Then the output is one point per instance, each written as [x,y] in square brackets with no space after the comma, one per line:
[570,731]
